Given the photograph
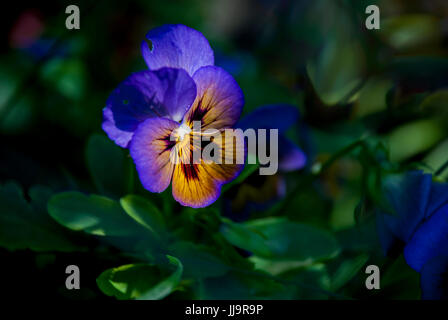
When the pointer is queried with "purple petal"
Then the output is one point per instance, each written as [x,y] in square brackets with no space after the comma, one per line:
[163,93]
[176,46]
[290,157]
[120,137]
[150,149]
[179,92]
[219,100]
[278,116]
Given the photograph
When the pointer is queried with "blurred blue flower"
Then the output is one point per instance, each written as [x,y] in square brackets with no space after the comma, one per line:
[419,226]
[259,192]
[26,35]
[281,117]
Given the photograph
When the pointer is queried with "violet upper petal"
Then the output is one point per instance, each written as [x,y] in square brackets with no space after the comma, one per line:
[176,46]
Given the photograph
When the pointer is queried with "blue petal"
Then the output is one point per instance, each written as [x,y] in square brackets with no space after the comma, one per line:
[278,116]
[290,156]
[429,241]
[434,279]
[391,244]
[177,46]
[408,196]
[439,197]
[165,93]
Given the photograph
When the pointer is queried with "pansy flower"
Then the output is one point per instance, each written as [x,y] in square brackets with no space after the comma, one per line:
[418,226]
[153,113]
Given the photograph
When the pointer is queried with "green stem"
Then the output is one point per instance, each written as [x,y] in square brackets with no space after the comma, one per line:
[324,167]
[130,176]
[441,169]
[341,153]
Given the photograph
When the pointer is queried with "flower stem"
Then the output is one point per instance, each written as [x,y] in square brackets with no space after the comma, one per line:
[441,169]
[323,167]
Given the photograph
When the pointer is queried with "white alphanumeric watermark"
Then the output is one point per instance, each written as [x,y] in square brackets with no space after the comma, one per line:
[193,145]
[72,281]
[73,20]
[373,20]
[373,280]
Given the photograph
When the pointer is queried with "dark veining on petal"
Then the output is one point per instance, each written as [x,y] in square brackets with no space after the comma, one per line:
[199,112]
[169,144]
[190,171]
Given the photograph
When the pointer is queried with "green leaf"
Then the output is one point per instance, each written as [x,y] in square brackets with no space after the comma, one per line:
[437,158]
[336,73]
[18,117]
[144,212]
[276,267]
[310,207]
[410,31]
[347,271]
[165,287]
[244,237]
[141,281]
[280,239]
[344,206]
[106,162]
[242,286]
[372,97]
[310,283]
[92,214]
[67,76]
[400,282]
[26,225]
[361,238]
[436,102]
[198,261]
[427,69]
[413,138]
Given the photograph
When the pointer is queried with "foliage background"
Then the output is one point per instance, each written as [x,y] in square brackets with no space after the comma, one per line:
[384,87]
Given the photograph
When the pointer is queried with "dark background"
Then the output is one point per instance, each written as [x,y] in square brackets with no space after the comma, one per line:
[54,83]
